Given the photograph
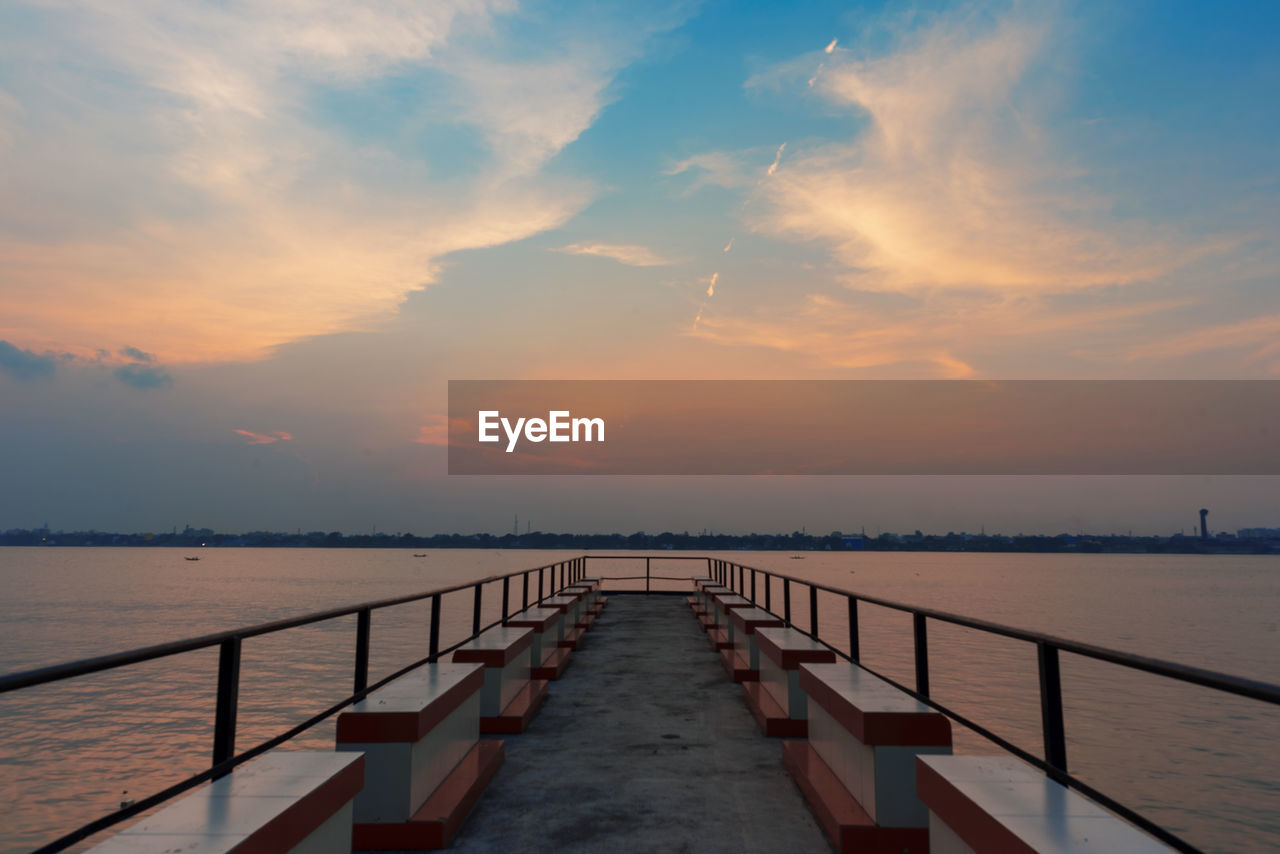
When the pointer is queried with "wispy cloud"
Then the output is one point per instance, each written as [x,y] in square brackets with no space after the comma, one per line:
[1258,337]
[729,245]
[201,199]
[435,429]
[946,335]
[711,284]
[777,158]
[831,47]
[143,376]
[265,438]
[629,254]
[136,355]
[954,185]
[25,364]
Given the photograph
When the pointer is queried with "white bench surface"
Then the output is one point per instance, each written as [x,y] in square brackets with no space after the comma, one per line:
[1044,815]
[873,710]
[245,804]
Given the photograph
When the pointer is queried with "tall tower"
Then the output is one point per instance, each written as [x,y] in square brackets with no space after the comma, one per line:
[1204,527]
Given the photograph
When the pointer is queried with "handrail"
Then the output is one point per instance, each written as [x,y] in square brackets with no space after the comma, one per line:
[734,576]
[228,642]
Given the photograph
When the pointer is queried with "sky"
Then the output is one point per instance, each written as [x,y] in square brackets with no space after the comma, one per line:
[245,246]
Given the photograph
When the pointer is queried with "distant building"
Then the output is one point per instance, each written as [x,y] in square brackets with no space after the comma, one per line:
[1258,533]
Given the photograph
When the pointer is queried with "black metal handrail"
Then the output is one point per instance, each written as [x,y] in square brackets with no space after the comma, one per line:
[228,678]
[733,575]
[1054,763]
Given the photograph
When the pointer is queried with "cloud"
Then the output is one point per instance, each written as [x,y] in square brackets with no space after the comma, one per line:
[136,354]
[729,245]
[208,193]
[143,377]
[24,364]
[953,183]
[777,158]
[712,169]
[948,335]
[631,255]
[831,47]
[711,284]
[436,429]
[1259,335]
[265,438]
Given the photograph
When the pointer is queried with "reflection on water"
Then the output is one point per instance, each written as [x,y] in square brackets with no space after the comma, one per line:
[1199,763]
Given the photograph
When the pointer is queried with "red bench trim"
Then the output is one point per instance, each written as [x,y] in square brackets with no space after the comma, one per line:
[437,820]
[373,726]
[496,656]
[747,622]
[884,728]
[516,716]
[843,819]
[979,829]
[771,717]
[790,659]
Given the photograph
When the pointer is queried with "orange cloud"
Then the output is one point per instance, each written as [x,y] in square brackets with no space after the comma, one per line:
[436,429]
[954,185]
[265,438]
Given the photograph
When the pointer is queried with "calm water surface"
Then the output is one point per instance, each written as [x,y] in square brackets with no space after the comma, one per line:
[1203,765]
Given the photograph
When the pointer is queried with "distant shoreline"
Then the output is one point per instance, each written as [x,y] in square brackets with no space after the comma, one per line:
[796,542]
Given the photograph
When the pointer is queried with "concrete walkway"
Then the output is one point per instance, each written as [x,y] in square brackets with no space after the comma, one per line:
[643,745]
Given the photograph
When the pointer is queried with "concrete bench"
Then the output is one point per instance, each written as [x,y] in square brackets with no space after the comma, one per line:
[547,658]
[426,764]
[776,701]
[857,768]
[568,608]
[742,659]
[703,606]
[596,600]
[281,802]
[587,612]
[509,698]
[720,629]
[998,804]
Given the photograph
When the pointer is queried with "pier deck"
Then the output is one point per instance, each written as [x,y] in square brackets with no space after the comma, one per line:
[643,745]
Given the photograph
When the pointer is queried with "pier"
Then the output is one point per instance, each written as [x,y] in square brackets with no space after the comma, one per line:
[644,745]
[623,729]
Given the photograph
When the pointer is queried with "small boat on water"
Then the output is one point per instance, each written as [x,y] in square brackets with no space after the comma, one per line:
[191,558]
[419,555]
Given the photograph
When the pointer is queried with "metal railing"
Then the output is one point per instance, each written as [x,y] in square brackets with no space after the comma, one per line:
[552,577]
[743,581]
[224,757]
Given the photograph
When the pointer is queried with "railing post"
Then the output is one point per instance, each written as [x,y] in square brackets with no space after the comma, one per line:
[922,654]
[224,716]
[475,612]
[540,596]
[363,623]
[753,586]
[433,648]
[854,652]
[742,585]
[562,584]
[1055,734]
[646,575]
[768,592]
[524,589]
[813,610]
[786,600]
